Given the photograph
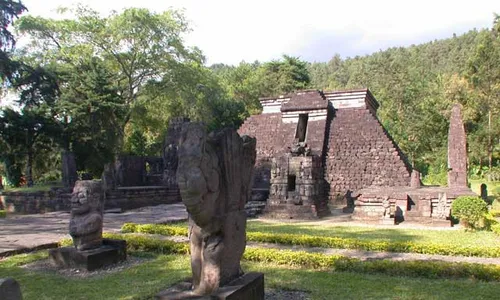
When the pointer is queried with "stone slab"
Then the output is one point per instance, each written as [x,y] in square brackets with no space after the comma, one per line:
[390,221]
[10,289]
[249,286]
[111,252]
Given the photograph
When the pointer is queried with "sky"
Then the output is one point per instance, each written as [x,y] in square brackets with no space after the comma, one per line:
[233,31]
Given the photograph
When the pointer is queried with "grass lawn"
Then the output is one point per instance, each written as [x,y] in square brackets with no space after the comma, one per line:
[444,237]
[145,280]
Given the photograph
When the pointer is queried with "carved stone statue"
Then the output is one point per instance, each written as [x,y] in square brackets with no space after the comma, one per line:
[442,209]
[87,203]
[90,251]
[386,204]
[300,149]
[214,176]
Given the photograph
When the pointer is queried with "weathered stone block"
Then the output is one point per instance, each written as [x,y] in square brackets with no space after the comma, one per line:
[111,252]
[250,286]
[10,289]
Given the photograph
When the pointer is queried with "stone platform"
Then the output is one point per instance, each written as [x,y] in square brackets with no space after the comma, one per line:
[429,205]
[249,286]
[111,252]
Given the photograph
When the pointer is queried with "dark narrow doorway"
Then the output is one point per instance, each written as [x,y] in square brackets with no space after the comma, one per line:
[300,134]
[291,183]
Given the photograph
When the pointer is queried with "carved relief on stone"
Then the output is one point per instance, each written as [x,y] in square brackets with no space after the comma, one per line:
[87,203]
[442,208]
[214,178]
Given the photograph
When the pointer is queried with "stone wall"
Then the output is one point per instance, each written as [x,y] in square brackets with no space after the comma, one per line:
[37,202]
[361,154]
[134,197]
[59,200]
[429,205]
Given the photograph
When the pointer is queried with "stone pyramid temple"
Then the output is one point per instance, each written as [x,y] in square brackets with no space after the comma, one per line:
[315,147]
[341,128]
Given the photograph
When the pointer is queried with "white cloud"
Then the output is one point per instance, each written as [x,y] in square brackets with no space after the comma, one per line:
[231,31]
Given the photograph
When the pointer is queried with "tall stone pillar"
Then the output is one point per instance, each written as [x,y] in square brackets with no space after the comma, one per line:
[69,175]
[457,150]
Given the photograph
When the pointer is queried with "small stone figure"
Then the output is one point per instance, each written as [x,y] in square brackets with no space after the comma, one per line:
[214,177]
[300,149]
[87,204]
[90,251]
[386,204]
[484,192]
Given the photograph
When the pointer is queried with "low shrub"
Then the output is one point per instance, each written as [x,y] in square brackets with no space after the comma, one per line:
[3,214]
[427,269]
[332,242]
[469,210]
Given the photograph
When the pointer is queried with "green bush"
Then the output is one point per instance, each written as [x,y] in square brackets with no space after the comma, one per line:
[429,269]
[331,242]
[496,228]
[470,210]
[3,214]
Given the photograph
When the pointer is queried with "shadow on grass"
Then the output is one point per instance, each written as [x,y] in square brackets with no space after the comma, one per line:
[138,282]
[346,285]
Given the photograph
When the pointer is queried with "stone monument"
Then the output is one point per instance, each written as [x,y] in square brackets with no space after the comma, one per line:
[10,289]
[69,175]
[214,176]
[90,250]
[457,150]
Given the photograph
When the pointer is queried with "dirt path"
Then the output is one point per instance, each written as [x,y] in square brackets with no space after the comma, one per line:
[23,232]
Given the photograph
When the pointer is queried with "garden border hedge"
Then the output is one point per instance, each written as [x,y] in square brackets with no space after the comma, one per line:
[426,269]
[329,242]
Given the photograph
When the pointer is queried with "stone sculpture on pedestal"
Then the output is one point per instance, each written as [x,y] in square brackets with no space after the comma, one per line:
[214,176]
[90,250]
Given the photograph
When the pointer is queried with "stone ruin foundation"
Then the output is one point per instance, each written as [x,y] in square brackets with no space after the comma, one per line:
[422,204]
[297,189]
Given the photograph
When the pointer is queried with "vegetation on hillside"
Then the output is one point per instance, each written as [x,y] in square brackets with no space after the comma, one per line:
[102,86]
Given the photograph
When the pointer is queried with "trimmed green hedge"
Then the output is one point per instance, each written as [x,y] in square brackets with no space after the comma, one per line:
[427,269]
[3,214]
[331,242]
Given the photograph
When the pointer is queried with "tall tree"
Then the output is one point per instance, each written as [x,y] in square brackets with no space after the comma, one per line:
[284,76]
[136,45]
[484,74]
[9,10]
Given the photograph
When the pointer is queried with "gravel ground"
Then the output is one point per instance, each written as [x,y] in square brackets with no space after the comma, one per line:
[272,294]
[44,266]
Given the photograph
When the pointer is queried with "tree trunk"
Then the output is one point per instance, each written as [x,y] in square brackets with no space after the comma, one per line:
[29,169]
[490,144]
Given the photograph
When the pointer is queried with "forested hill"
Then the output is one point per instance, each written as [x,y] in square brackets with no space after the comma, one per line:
[416,86]
[445,56]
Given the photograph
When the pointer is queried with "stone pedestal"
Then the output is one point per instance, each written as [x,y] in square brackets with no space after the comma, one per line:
[10,289]
[387,221]
[111,252]
[249,286]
